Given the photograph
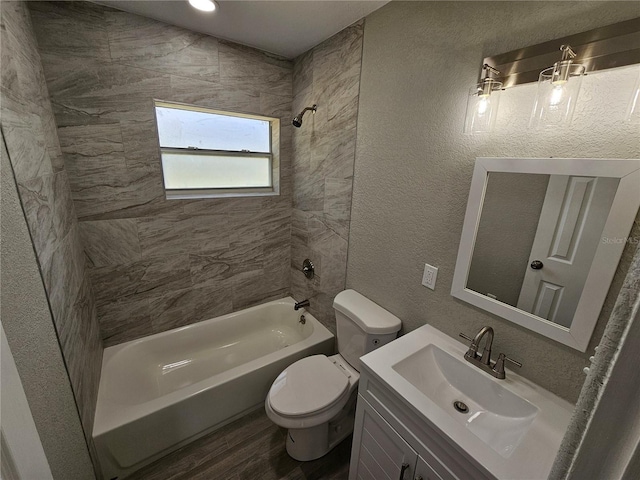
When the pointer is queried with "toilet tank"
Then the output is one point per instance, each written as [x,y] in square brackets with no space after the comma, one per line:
[362,326]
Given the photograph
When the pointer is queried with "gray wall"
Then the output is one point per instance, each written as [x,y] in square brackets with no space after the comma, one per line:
[159,264]
[414,166]
[508,225]
[323,152]
[28,324]
[43,184]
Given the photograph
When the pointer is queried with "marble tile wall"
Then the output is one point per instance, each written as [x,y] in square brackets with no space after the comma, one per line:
[323,159]
[43,183]
[158,264]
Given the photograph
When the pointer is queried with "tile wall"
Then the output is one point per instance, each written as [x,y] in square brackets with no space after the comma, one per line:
[158,264]
[323,153]
[29,130]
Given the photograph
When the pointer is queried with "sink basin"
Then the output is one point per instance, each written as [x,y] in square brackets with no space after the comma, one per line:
[494,414]
[511,427]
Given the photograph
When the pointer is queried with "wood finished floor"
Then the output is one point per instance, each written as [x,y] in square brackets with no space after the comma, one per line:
[251,448]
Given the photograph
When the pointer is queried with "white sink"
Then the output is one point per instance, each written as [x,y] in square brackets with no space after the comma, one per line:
[513,427]
[494,414]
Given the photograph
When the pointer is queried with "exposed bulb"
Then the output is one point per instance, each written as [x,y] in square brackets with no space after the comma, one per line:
[483,105]
[203,5]
[556,96]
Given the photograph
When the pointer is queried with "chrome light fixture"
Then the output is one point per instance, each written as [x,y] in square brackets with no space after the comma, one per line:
[482,103]
[558,89]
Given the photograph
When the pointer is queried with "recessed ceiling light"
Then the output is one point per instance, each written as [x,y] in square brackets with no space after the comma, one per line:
[204,5]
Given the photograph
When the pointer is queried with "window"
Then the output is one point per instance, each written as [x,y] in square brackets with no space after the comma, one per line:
[209,153]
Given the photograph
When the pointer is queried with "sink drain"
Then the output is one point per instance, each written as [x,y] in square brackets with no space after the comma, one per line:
[460,406]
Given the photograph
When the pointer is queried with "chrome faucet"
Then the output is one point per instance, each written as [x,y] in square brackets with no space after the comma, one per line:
[475,343]
[484,361]
[303,303]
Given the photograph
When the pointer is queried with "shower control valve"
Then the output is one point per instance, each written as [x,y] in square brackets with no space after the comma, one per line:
[308,268]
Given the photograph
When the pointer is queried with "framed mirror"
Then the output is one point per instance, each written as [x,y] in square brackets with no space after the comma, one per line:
[542,238]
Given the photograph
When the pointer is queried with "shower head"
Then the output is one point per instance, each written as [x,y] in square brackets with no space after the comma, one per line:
[297,121]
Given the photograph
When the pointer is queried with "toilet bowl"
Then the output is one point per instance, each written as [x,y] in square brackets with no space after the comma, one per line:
[312,398]
[315,397]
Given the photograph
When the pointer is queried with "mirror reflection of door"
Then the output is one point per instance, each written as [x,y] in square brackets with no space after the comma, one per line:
[555,219]
[573,215]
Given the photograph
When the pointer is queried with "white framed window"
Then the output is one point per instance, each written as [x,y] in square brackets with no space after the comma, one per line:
[209,153]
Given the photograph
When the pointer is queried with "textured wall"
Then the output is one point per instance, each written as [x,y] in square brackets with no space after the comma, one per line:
[29,327]
[323,152]
[158,264]
[414,166]
[32,144]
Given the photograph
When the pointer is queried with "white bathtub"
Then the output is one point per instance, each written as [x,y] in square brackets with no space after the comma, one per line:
[160,392]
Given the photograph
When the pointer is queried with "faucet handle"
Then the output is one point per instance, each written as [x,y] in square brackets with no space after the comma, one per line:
[499,366]
[510,360]
[466,337]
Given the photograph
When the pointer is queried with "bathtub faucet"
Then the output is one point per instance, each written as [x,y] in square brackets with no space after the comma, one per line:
[299,305]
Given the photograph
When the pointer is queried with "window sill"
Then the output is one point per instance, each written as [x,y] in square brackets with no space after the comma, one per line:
[200,194]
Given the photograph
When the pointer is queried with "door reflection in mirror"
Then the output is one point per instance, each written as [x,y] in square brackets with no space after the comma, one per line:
[537,238]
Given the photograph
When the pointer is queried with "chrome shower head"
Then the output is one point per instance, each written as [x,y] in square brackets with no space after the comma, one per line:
[297,121]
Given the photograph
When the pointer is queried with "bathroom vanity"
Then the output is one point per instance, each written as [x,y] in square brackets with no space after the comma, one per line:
[407,426]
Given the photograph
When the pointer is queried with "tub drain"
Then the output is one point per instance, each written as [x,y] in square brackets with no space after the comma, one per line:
[460,406]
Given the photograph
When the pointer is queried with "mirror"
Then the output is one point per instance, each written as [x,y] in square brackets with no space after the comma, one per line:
[542,239]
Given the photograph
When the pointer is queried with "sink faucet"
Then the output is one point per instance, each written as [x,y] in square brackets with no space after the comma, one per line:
[303,303]
[475,343]
[484,362]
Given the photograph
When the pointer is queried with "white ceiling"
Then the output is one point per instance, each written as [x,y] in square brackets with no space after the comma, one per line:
[286,27]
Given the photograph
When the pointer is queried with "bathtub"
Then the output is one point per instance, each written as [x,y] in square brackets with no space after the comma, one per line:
[161,392]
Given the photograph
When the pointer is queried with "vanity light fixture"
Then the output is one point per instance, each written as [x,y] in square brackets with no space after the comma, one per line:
[558,89]
[611,46]
[204,5]
[482,103]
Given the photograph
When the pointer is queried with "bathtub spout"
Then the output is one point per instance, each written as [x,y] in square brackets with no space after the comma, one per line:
[303,303]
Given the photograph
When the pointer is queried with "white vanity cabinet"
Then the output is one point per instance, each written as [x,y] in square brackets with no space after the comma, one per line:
[425,472]
[382,453]
[389,442]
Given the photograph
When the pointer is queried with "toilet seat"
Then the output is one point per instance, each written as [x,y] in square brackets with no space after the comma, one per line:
[307,387]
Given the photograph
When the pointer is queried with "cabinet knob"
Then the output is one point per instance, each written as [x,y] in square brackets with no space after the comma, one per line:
[404,468]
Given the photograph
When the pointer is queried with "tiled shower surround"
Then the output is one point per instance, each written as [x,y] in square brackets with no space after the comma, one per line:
[323,160]
[118,260]
[43,183]
[158,264]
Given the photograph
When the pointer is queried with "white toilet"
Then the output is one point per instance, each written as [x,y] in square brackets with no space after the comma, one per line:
[315,397]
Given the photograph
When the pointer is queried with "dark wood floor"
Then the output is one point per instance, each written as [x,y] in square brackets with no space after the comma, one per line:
[251,448]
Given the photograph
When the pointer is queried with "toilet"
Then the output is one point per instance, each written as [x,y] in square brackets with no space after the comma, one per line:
[315,398]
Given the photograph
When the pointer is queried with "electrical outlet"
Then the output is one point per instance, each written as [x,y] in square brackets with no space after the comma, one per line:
[429,276]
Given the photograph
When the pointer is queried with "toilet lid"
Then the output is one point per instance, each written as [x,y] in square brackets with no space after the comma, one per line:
[308,385]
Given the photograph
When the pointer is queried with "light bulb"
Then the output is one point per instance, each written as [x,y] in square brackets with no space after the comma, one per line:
[483,104]
[204,5]
[556,96]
